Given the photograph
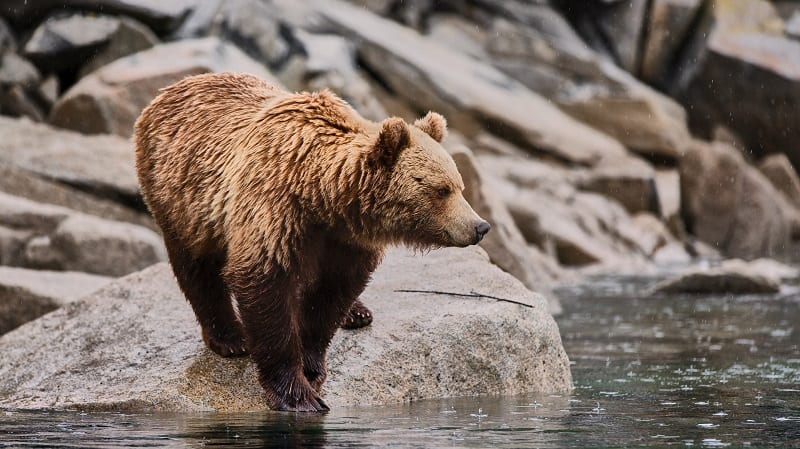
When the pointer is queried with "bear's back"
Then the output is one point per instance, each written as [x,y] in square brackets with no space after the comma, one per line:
[186,140]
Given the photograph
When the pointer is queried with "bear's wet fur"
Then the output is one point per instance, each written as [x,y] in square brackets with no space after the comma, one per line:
[281,205]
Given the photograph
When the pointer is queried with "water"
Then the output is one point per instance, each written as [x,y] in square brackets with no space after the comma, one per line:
[712,371]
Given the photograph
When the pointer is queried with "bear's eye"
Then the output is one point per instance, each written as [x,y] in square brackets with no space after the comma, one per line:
[443,192]
[417,179]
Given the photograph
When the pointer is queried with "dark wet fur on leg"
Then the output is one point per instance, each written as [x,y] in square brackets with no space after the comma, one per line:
[268,303]
[200,279]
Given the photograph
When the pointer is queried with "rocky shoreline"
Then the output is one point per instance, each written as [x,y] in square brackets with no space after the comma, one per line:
[608,136]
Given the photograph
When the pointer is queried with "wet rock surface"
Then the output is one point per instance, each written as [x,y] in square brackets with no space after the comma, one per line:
[139,336]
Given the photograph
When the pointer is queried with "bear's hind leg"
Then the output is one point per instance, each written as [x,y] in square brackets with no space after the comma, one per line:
[343,277]
[200,279]
[268,303]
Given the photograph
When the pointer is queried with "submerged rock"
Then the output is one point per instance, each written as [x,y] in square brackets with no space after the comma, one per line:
[135,345]
[28,294]
[732,276]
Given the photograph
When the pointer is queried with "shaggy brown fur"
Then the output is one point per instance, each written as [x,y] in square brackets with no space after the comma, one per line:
[286,202]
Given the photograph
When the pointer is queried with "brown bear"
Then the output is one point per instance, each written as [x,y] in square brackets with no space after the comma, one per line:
[277,207]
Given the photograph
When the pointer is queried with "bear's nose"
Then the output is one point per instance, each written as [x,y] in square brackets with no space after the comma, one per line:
[481,229]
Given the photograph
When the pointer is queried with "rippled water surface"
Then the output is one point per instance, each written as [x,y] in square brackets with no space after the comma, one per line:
[709,371]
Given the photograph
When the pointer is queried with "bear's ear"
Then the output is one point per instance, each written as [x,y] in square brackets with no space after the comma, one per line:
[434,125]
[394,136]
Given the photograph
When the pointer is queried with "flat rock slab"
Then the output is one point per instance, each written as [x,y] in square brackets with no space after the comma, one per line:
[28,294]
[734,276]
[102,165]
[135,346]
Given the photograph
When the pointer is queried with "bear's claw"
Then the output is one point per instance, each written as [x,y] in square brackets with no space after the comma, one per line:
[311,404]
[228,346]
[359,316]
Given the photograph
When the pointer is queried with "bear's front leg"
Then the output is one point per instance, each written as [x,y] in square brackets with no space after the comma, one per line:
[343,275]
[269,308]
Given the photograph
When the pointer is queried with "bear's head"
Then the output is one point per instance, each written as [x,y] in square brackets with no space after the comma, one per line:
[423,205]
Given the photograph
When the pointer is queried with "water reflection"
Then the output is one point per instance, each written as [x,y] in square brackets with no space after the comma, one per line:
[271,430]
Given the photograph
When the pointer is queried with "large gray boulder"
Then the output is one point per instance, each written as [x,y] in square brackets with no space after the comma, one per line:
[7,39]
[17,70]
[20,182]
[102,165]
[111,98]
[471,94]
[129,37]
[730,205]
[744,73]
[28,294]
[668,186]
[51,237]
[162,16]
[135,345]
[630,181]
[574,226]
[780,172]
[19,83]
[67,41]
[538,47]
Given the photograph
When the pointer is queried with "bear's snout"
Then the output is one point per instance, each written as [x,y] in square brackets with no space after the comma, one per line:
[481,229]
